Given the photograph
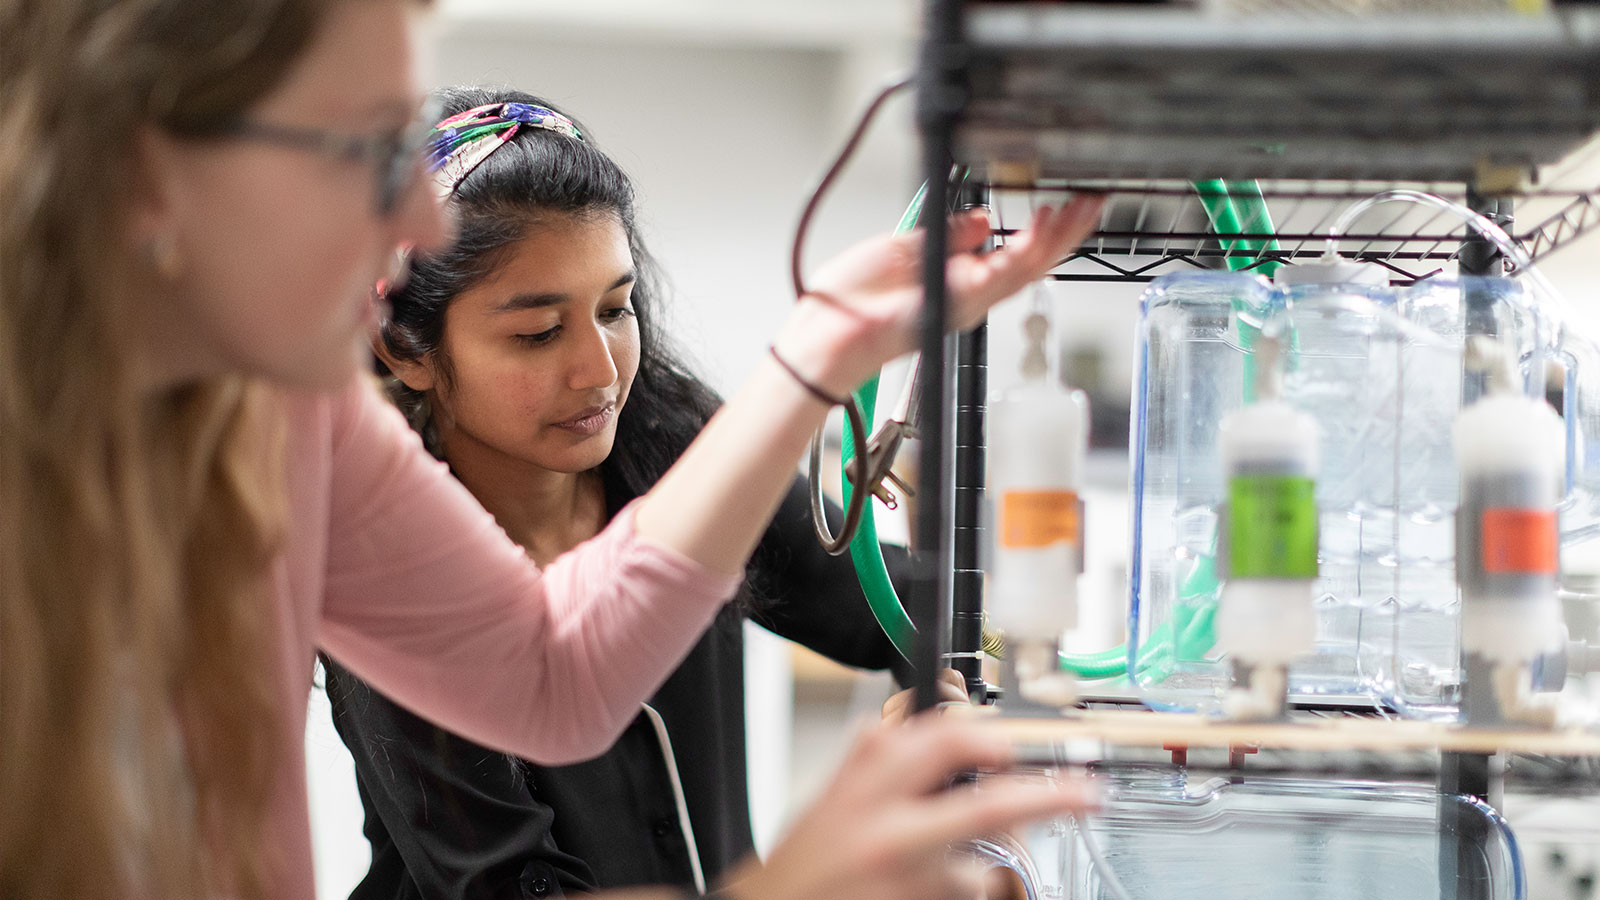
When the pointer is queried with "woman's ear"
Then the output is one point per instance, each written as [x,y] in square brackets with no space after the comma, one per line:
[415,374]
[155,201]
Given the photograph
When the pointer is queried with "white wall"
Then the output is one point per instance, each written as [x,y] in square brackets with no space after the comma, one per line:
[723,143]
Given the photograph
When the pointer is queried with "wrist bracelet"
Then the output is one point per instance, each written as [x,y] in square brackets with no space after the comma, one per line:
[811,389]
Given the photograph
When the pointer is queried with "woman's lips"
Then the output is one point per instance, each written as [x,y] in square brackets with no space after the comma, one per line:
[590,421]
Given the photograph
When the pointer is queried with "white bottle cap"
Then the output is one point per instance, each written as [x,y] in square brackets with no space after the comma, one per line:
[1332,269]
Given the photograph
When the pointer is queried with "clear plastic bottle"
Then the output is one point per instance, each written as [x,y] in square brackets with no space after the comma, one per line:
[1196,336]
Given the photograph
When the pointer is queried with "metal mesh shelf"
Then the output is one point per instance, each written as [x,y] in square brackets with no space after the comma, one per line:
[1153,227]
[1135,93]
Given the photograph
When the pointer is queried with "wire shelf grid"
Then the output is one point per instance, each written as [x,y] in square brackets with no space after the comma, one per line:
[1153,227]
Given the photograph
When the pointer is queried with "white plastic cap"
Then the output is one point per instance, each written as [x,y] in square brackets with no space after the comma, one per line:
[1332,269]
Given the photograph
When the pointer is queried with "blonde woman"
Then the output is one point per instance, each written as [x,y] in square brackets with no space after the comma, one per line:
[197,491]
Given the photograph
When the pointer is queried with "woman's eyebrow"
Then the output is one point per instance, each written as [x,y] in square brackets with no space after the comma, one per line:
[517,302]
[531,301]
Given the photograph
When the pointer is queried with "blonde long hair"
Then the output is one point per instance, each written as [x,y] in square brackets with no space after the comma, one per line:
[136,531]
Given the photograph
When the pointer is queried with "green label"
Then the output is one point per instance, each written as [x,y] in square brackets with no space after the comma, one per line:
[1272,527]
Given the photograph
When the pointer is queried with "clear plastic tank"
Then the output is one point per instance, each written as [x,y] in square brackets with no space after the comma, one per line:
[1380,371]
[1165,838]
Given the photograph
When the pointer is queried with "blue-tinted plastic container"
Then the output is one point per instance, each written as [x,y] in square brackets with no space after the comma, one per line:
[1380,370]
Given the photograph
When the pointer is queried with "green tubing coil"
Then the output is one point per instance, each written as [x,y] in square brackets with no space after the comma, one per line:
[864,549]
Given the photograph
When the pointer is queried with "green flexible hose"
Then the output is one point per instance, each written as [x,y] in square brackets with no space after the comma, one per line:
[1238,207]
[864,549]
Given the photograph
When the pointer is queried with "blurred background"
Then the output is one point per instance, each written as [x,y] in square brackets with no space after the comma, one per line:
[726,112]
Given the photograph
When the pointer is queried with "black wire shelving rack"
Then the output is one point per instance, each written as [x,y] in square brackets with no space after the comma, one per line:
[1318,108]
[1152,103]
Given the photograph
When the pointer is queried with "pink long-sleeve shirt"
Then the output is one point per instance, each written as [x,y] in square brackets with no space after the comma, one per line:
[393,568]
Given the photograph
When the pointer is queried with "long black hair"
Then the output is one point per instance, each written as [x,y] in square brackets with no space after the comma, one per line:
[537,173]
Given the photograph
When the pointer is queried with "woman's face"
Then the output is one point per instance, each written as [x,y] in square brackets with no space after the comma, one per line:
[542,352]
[279,246]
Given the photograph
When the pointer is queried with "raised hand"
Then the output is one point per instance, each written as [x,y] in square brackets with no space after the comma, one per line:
[861,307]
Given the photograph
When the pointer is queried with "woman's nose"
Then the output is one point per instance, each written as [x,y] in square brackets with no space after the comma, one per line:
[592,364]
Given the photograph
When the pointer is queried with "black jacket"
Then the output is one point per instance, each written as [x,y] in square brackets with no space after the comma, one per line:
[447,818]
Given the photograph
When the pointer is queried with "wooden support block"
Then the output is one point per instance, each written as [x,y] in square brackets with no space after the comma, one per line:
[1167,730]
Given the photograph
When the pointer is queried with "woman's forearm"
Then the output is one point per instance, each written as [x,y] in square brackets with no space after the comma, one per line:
[715,503]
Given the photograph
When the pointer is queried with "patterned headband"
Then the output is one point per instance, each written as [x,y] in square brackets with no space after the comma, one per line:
[458,144]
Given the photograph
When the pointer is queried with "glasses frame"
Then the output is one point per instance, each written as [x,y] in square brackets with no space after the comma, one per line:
[396,156]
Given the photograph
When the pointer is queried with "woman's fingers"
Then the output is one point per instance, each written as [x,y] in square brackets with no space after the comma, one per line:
[886,764]
[1053,234]
[952,689]
[979,282]
[898,707]
[1070,226]
[864,302]
[968,231]
[885,824]
[993,805]
[923,755]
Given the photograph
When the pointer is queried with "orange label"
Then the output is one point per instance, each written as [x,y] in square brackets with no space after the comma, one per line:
[1038,518]
[1520,542]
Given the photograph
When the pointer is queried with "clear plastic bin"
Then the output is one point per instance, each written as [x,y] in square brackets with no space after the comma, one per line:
[1165,839]
[1380,370]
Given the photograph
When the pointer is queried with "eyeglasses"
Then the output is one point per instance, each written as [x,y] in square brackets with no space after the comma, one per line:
[397,156]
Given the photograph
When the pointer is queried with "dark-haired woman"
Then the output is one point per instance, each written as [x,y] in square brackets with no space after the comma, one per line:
[529,355]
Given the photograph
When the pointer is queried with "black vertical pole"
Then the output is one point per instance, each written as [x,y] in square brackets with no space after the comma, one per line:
[1480,257]
[1461,872]
[940,84]
[972,388]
